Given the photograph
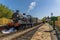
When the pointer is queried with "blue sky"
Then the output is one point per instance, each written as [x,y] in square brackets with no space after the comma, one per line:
[36,8]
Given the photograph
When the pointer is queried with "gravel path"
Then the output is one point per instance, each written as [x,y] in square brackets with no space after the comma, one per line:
[42,33]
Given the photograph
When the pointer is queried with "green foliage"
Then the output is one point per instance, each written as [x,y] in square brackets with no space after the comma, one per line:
[5,11]
[43,19]
[54,18]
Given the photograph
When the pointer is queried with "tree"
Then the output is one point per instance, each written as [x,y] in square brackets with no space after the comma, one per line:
[5,11]
[44,19]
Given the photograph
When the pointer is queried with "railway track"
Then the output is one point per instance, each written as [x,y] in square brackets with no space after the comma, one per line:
[16,34]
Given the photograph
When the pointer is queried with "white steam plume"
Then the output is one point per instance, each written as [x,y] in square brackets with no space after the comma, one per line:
[31,6]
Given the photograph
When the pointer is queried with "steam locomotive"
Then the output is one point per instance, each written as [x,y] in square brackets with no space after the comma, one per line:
[20,22]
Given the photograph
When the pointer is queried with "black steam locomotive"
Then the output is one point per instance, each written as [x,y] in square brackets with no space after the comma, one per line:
[19,21]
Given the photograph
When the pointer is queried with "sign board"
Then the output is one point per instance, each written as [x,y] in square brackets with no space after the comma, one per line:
[54,18]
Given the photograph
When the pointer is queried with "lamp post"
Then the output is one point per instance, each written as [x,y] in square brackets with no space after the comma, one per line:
[56,32]
[53,18]
[51,14]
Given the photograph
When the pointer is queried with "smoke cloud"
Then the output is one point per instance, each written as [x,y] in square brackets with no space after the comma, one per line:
[31,6]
